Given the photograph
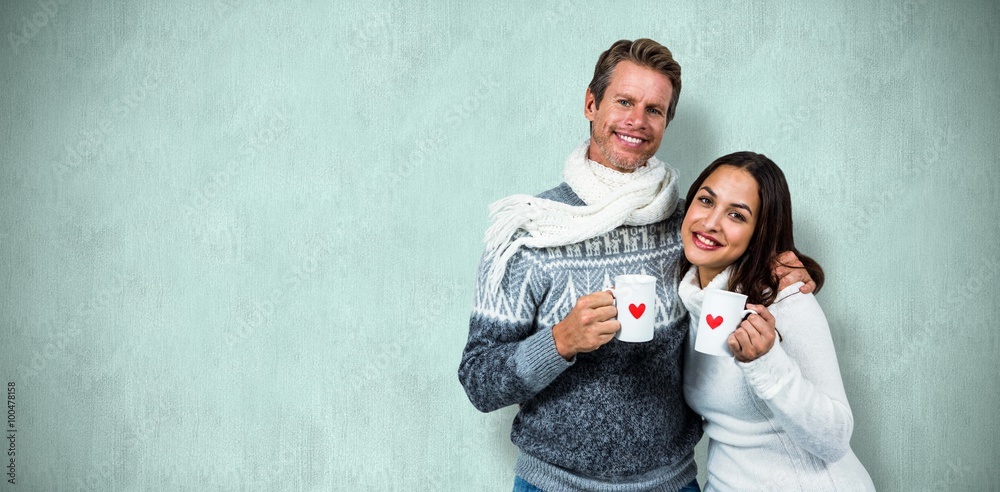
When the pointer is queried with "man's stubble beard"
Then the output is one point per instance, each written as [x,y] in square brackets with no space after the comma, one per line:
[620,164]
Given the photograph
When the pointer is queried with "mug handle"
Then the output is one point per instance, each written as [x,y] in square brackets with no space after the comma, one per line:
[747,312]
[625,291]
[614,300]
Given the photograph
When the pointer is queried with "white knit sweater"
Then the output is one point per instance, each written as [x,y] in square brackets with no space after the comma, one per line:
[782,421]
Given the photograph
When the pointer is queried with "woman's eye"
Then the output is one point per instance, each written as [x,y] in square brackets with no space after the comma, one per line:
[738,216]
[705,200]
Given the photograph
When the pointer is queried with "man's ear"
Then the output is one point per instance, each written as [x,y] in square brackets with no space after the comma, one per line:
[590,106]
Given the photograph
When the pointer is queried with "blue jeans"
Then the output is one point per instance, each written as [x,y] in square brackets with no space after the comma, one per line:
[521,486]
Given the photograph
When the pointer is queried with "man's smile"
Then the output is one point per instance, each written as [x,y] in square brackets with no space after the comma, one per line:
[630,139]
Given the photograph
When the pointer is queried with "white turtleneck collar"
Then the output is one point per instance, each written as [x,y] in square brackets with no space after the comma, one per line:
[691,293]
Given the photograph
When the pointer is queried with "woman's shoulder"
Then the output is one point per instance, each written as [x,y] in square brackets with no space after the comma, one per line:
[792,305]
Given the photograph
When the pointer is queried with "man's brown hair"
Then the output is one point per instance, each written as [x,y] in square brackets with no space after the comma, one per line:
[643,52]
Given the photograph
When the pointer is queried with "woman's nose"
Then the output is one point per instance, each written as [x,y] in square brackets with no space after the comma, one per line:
[711,221]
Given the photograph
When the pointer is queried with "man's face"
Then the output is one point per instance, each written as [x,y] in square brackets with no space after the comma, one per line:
[628,124]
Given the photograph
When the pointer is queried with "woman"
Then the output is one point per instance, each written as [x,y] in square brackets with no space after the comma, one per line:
[776,413]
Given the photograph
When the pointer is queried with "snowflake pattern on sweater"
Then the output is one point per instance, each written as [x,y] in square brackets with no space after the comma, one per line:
[611,414]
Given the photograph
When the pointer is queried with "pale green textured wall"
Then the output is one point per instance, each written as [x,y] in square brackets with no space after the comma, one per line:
[238,239]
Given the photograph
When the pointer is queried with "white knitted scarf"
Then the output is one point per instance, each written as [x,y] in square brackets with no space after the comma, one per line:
[644,196]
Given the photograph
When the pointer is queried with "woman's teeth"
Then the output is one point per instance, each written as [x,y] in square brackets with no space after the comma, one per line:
[707,240]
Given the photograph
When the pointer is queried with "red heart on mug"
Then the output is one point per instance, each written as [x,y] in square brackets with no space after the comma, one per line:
[713,321]
[637,310]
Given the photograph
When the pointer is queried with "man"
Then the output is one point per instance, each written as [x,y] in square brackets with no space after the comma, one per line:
[594,414]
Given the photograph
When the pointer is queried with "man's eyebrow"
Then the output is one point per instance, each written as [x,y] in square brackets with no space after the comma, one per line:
[737,205]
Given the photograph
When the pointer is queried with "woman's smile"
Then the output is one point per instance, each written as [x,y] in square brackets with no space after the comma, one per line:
[704,241]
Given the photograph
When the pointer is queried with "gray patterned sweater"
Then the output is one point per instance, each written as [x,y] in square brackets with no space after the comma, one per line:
[610,420]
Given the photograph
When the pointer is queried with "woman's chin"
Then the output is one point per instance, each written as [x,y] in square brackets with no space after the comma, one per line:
[694,257]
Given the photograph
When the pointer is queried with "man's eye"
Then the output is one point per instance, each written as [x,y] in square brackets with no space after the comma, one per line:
[654,111]
[623,102]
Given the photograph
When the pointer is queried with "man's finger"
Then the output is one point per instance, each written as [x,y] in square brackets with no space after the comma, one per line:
[808,287]
[597,299]
[607,297]
[605,313]
[791,276]
[788,259]
[610,326]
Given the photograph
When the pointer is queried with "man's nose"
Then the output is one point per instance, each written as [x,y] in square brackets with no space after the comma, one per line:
[637,117]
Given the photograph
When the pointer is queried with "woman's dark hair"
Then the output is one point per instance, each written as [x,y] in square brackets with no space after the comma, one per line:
[752,272]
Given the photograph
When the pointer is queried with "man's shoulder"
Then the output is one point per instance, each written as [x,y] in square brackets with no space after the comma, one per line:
[562,194]
[677,216]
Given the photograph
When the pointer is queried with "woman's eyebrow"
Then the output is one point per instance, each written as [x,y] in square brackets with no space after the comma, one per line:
[737,205]
[743,206]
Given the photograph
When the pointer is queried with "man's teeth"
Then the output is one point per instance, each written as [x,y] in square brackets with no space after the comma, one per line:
[630,139]
[707,240]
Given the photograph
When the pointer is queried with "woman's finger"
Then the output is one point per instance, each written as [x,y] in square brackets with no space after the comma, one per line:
[734,345]
[762,312]
[757,328]
[741,335]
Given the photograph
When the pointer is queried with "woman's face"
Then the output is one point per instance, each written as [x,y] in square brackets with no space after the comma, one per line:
[720,221]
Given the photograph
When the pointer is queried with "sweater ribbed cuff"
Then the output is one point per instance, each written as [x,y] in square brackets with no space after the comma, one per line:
[770,372]
[537,362]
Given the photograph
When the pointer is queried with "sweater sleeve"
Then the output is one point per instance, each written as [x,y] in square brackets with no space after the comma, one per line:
[799,380]
[507,358]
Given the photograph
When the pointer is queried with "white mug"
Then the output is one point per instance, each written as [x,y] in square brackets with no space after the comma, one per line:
[635,298]
[721,312]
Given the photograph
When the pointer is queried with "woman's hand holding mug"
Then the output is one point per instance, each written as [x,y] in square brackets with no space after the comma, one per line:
[755,335]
